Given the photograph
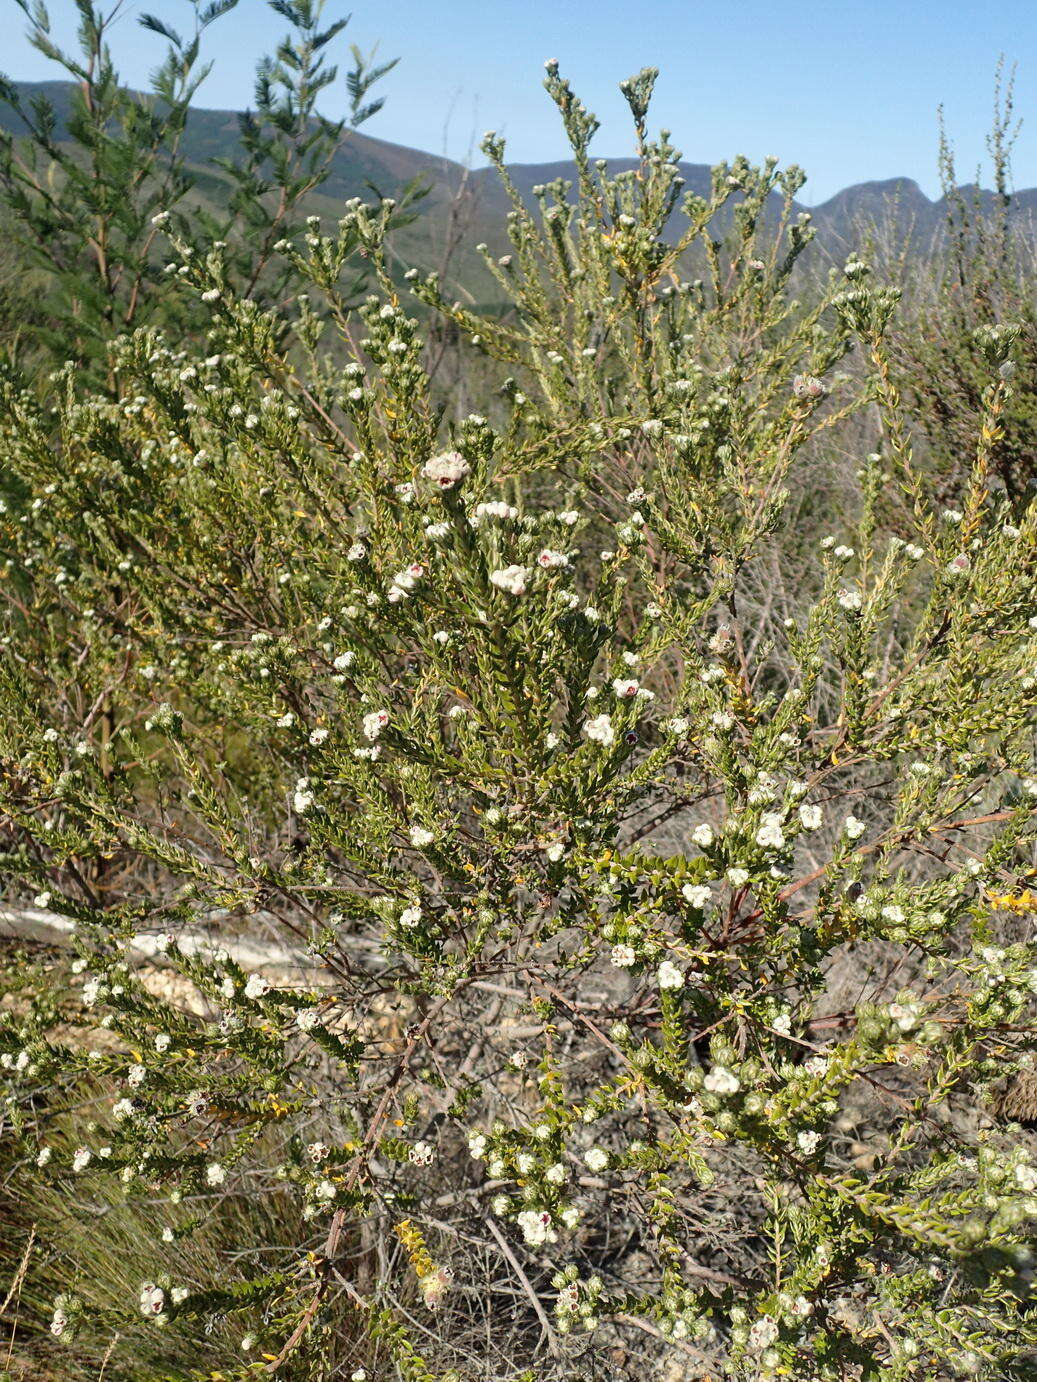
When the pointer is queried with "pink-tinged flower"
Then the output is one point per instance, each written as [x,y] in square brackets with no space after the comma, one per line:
[549,558]
[445,470]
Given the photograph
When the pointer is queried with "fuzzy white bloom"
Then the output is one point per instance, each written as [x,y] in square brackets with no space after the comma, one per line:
[215,1174]
[596,1159]
[808,1142]
[850,599]
[549,559]
[536,1226]
[422,1154]
[374,722]
[302,799]
[703,835]
[810,817]
[306,1019]
[600,730]
[1026,1177]
[678,725]
[697,894]
[446,469]
[511,579]
[495,508]
[477,1144]
[737,877]
[152,1299]
[420,836]
[720,1080]
[256,986]
[81,1160]
[854,827]
[135,1076]
[623,956]
[410,916]
[762,1334]
[770,834]
[625,689]
[670,977]
[556,1174]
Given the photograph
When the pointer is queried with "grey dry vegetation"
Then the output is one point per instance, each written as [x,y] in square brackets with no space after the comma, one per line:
[634,781]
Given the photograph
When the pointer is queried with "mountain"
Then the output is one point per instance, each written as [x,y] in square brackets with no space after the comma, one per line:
[464,207]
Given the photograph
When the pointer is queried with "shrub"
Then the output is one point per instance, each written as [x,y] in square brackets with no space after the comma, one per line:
[647,882]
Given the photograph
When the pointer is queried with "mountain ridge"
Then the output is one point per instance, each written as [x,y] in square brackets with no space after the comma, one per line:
[896,204]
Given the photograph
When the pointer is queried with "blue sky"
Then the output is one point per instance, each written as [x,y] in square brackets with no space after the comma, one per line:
[848,90]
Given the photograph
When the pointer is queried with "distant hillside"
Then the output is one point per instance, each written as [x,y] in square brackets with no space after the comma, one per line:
[897,204]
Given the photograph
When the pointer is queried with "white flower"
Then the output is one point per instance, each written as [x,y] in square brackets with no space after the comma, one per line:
[762,1334]
[524,1163]
[670,977]
[697,894]
[600,730]
[215,1174]
[854,828]
[536,1226]
[302,799]
[703,836]
[495,508]
[44,1156]
[770,834]
[357,552]
[422,1154]
[850,599]
[477,1145]
[446,469]
[810,817]
[343,661]
[623,956]
[306,1019]
[420,837]
[625,689]
[808,1141]
[549,559]
[1026,1177]
[554,851]
[135,1076]
[596,1159]
[720,1080]
[737,877]
[408,578]
[152,1299]
[121,1109]
[318,736]
[511,579]
[81,1160]
[678,725]
[374,722]
[256,987]
[410,916]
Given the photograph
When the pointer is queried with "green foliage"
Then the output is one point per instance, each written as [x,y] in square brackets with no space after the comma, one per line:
[524,848]
[90,204]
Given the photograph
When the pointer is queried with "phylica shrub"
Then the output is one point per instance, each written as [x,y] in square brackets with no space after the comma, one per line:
[643,831]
